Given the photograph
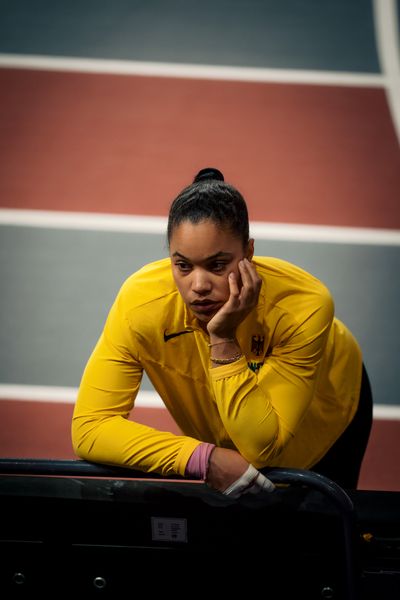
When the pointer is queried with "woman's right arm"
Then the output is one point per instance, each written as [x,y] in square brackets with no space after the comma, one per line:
[101,430]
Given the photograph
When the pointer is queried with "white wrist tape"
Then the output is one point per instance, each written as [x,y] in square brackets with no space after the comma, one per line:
[252,481]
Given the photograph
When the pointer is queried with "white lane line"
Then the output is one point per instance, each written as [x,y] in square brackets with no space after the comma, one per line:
[325,233]
[145,398]
[66,395]
[190,71]
[83,220]
[387,40]
[158,225]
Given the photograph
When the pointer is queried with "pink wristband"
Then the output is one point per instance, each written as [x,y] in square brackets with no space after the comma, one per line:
[198,462]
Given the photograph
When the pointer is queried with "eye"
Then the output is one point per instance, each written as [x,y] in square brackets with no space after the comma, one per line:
[183,266]
[218,266]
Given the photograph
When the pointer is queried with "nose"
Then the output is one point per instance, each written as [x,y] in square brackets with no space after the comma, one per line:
[201,283]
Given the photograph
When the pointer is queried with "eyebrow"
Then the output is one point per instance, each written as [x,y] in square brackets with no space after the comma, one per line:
[219,254]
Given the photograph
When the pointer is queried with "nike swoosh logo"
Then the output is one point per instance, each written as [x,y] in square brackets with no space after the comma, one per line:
[169,336]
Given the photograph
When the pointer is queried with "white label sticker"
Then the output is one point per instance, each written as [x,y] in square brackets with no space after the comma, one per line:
[167,529]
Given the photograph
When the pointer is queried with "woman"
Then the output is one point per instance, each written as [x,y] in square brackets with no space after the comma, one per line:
[245,352]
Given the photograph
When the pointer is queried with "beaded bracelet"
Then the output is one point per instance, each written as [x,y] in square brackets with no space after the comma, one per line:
[226,361]
[228,341]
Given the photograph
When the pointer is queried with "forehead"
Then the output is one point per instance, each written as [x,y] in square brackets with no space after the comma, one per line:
[200,240]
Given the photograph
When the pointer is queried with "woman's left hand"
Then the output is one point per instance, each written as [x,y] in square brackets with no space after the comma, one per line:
[242,299]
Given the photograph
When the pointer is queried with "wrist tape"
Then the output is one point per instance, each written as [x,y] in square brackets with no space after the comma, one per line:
[252,481]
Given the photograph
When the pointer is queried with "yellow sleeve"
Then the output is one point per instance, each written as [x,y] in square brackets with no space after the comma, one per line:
[101,431]
[262,412]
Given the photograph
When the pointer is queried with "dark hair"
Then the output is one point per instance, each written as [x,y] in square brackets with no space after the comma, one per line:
[210,197]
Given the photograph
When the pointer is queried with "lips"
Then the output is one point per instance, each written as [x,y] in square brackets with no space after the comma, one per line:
[204,306]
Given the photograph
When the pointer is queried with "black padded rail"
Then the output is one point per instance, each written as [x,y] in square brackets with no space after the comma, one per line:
[100,516]
[67,468]
[292,477]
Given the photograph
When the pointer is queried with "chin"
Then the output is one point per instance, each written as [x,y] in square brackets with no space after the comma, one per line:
[204,319]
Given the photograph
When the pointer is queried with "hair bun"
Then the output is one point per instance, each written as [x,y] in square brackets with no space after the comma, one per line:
[208,173]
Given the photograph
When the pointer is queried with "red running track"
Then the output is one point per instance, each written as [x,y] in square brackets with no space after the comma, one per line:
[111,143]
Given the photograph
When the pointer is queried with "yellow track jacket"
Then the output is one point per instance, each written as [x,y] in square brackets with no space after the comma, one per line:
[283,404]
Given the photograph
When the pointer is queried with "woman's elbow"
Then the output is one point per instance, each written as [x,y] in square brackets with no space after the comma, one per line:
[80,438]
[259,453]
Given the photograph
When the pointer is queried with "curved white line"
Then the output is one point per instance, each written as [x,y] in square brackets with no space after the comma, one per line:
[387,40]
[190,71]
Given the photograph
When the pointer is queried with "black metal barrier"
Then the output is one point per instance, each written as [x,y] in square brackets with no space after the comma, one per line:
[93,530]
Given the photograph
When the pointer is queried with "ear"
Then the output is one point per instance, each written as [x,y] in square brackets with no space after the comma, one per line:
[250,249]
